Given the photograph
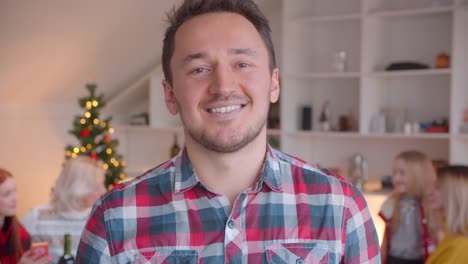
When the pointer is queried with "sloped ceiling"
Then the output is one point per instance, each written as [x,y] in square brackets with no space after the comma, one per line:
[50,49]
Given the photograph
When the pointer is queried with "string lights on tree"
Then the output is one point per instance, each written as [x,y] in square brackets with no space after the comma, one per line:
[94,136]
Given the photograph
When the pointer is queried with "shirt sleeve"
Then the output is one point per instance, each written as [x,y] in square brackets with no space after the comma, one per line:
[362,243]
[94,243]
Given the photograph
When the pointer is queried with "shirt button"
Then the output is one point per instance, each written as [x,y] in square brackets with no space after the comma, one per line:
[299,261]
[231,224]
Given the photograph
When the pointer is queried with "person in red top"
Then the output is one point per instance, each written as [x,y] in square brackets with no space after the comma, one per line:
[14,239]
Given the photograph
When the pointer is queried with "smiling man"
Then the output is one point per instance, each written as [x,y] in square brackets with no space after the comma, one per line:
[228,197]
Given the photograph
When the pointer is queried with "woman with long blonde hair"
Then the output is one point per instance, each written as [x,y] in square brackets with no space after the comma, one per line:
[408,233]
[449,196]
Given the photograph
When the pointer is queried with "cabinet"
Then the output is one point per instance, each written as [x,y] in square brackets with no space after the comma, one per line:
[373,34]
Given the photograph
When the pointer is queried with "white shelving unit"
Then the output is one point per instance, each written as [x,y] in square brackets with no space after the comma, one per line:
[374,34]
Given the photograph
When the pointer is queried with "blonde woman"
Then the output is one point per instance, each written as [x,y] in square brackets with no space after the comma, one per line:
[79,185]
[407,237]
[450,197]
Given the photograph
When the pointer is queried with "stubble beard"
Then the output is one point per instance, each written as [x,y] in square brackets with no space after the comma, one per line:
[234,144]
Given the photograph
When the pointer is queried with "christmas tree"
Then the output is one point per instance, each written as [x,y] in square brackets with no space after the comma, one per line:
[94,137]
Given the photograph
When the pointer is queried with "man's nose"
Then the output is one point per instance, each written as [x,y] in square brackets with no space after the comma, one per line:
[224,80]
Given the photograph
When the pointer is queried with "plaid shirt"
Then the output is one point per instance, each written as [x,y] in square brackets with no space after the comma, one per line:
[7,256]
[294,214]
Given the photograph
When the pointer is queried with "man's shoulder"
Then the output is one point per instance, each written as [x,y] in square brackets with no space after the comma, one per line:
[298,165]
[301,170]
[159,177]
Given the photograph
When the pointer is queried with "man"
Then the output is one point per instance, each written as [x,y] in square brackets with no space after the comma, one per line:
[227,197]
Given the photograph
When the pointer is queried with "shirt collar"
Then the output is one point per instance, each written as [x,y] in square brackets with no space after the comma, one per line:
[186,178]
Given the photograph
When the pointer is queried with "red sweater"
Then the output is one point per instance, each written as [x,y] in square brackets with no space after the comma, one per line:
[7,255]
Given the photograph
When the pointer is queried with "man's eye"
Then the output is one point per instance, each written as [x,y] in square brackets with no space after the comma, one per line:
[199,70]
[243,65]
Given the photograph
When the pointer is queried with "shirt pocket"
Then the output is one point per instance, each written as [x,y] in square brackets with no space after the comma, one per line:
[297,253]
[166,256]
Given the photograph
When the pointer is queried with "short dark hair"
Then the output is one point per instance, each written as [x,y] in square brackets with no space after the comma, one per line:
[193,8]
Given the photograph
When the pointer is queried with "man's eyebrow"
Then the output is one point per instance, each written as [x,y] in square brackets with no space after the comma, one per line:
[194,56]
[202,55]
[246,51]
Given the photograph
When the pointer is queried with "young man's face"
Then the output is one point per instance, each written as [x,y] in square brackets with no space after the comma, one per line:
[222,85]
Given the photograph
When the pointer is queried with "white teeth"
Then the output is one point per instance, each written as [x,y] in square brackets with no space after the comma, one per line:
[225,109]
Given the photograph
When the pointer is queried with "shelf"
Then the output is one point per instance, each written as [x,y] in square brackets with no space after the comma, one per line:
[404,73]
[326,75]
[411,136]
[324,134]
[463,136]
[357,135]
[412,12]
[274,132]
[328,18]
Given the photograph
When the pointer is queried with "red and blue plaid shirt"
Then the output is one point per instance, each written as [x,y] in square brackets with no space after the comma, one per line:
[296,213]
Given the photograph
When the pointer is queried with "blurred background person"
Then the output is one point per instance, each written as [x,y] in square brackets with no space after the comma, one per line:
[449,197]
[407,215]
[79,185]
[14,239]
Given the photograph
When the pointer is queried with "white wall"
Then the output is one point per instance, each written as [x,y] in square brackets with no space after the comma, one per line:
[49,50]
[32,139]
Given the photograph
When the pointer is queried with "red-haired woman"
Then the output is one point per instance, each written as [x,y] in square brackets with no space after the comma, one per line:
[14,239]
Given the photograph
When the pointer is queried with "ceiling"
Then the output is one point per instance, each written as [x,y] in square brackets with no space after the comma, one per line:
[50,49]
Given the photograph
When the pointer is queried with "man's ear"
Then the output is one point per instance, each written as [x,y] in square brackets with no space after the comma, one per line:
[275,86]
[169,98]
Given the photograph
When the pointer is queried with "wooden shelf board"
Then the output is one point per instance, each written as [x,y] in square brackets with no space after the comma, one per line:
[412,12]
[326,75]
[403,73]
[327,18]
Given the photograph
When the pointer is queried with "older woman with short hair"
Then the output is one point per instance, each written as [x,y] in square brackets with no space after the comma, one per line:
[79,185]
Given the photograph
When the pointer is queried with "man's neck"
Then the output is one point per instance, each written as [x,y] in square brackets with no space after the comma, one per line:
[229,174]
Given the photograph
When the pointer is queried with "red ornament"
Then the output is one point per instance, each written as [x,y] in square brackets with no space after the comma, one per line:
[93,156]
[85,133]
[107,139]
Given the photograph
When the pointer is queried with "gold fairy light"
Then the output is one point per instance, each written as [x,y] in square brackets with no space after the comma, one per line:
[89,146]
[83,149]
[76,150]
[73,155]
[95,103]
[111,130]
[82,121]
[88,105]
[109,151]
[105,166]
[96,121]
[87,114]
